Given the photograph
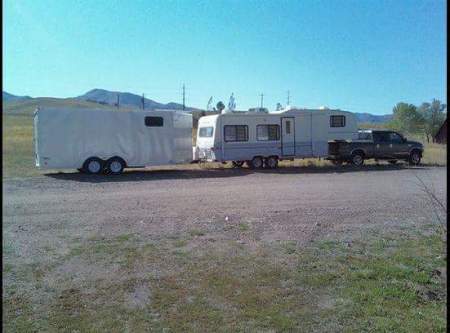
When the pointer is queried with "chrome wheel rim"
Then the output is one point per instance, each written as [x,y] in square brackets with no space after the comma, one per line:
[94,167]
[115,166]
[357,159]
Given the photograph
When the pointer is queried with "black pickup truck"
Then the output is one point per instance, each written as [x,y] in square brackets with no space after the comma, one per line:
[377,144]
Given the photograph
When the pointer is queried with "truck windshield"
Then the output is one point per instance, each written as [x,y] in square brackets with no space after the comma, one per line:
[206,132]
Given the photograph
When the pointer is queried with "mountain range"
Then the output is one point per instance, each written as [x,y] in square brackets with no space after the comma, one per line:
[106,98]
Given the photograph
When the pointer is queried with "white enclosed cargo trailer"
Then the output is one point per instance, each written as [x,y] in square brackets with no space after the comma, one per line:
[262,139]
[94,140]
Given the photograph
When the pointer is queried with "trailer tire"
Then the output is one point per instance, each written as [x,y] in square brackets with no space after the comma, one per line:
[357,158]
[271,162]
[115,165]
[256,163]
[93,166]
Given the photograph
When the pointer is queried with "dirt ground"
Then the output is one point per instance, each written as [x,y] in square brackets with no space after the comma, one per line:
[287,204]
[52,216]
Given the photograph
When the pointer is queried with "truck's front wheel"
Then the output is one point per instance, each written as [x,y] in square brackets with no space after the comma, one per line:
[415,157]
[357,159]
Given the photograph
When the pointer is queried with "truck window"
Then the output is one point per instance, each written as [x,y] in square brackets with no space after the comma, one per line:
[395,138]
[235,133]
[154,121]
[337,121]
[206,132]
[267,132]
[381,137]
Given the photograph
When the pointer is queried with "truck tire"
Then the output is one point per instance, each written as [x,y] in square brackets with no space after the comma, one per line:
[271,162]
[415,157]
[256,163]
[357,159]
[114,165]
[93,165]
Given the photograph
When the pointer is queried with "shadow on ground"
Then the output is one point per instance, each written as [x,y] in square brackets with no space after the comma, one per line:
[148,175]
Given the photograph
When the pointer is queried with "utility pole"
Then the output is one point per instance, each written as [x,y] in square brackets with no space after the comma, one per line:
[288,97]
[184,97]
[262,100]
[143,102]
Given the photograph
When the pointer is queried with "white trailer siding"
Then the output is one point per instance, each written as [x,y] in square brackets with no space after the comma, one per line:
[303,133]
[65,138]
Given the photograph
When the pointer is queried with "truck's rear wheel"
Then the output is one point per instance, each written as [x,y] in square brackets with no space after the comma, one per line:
[93,165]
[271,162]
[357,159]
[114,166]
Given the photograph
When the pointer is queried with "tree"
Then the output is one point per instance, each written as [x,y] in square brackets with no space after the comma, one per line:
[220,106]
[407,119]
[434,115]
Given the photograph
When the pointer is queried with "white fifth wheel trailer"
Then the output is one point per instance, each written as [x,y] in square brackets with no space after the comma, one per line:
[262,139]
[96,141]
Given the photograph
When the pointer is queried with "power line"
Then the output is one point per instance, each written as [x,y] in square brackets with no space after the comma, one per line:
[184,97]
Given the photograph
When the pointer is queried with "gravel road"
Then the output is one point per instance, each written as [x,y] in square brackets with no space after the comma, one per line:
[286,204]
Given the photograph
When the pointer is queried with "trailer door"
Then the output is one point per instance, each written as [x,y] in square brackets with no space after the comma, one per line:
[288,136]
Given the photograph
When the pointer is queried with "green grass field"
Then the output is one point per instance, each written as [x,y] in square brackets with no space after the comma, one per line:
[378,283]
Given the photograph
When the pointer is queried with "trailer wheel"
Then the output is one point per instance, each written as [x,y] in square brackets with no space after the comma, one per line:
[256,163]
[93,165]
[271,162]
[114,166]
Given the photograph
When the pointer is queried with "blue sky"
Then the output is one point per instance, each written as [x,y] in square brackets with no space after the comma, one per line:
[361,56]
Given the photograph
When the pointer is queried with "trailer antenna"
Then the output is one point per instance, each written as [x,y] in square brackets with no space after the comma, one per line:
[262,100]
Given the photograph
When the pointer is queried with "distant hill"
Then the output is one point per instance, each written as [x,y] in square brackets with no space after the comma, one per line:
[10,97]
[26,107]
[371,118]
[107,97]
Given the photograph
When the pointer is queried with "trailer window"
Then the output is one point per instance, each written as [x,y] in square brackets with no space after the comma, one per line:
[206,132]
[154,121]
[337,121]
[267,132]
[235,133]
